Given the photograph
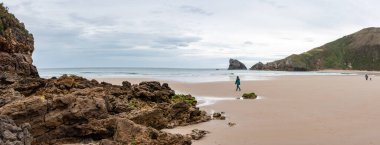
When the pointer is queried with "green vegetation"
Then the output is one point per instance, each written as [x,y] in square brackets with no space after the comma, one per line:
[184,98]
[133,103]
[8,20]
[251,95]
[133,142]
[358,51]
[1,27]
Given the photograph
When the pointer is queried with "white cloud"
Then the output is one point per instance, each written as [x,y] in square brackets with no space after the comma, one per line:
[196,33]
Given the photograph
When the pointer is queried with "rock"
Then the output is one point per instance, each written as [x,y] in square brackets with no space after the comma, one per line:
[251,95]
[107,142]
[10,133]
[218,116]
[126,84]
[197,134]
[16,48]
[258,66]
[230,124]
[236,65]
[184,98]
[75,110]
[129,132]
[71,109]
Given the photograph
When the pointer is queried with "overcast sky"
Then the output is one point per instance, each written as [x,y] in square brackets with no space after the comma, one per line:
[184,33]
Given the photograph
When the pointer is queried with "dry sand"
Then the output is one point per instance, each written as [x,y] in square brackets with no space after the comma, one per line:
[298,110]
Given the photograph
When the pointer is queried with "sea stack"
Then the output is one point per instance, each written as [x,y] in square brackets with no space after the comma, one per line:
[236,65]
[16,48]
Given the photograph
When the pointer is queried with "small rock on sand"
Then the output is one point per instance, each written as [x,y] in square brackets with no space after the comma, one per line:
[230,124]
[218,116]
[197,134]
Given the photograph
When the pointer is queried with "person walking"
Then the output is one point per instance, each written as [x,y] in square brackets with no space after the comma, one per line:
[366,77]
[237,83]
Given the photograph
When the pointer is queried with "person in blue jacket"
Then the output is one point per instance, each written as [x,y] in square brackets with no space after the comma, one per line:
[237,83]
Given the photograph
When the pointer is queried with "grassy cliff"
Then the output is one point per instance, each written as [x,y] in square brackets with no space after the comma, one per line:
[358,51]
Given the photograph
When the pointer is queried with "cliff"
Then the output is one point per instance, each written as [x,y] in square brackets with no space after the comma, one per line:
[16,48]
[358,51]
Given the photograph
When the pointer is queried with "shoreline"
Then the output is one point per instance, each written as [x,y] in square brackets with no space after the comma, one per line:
[296,110]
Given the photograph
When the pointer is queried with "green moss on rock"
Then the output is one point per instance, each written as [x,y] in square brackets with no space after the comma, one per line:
[251,95]
[184,98]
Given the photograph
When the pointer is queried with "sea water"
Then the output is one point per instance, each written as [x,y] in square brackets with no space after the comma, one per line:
[175,74]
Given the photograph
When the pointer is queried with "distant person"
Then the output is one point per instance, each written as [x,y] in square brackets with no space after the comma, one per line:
[237,83]
[366,77]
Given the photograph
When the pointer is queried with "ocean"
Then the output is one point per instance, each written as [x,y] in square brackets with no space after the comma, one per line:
[176,74]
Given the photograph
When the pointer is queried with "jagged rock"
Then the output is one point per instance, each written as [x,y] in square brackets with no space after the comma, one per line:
[70,109]
[236,65]
[10,133]
[128,132]
[257,66]
[197,134]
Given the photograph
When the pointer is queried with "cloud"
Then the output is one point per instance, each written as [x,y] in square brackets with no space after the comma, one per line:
[194,10]
[248,43]
[272,3]
[171,33]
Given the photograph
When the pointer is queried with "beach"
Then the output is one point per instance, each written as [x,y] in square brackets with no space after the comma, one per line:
[292,110]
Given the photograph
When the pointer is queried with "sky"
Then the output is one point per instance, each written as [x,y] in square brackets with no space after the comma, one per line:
[184,33]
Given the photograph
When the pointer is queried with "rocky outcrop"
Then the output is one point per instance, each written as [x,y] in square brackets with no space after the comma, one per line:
[75,110]
[12,134]
[16,48]
[236,65]
[290,63]
[257,66]
[71,109]
[358,51]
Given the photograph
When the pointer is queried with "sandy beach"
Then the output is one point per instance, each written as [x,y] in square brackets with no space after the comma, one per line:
[294,110]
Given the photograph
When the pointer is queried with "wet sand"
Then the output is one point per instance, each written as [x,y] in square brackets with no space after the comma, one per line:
[295,110]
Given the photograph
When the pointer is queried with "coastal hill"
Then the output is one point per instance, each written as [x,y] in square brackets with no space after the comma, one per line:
[358,51]
[75,110]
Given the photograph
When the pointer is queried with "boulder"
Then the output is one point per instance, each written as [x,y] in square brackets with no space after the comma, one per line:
[251,95]
[218,116]
[236,65]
